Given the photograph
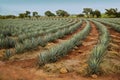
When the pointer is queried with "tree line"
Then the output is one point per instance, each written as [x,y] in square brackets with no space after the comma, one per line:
[87,12]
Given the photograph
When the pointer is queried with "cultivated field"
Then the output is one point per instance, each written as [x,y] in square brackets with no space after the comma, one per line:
[60,49]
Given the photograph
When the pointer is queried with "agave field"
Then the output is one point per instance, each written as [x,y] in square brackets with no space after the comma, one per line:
[59,49]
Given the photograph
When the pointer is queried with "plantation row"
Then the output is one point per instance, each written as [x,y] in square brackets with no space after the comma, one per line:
[25,27]
[7,40]
[47,32]
[24,44]
[62,49]
[66,26]
[97,54]
[98,51]
[42,41]
[113,23]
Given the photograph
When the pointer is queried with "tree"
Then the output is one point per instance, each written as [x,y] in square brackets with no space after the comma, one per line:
[112,12]
[0,16]
[118,14]
[87,11]
[92,13]
[7,17]
[97,13]
[49,13]
[80,15]
[22,15]
[62,13]
[27,14]
[10,16]
[35,14]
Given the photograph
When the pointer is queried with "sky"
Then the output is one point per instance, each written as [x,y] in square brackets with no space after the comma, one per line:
[15,7]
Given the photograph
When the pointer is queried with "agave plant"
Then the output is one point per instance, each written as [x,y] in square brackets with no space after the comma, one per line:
[8,53]
[19,48]
[111,24]
[41,41]
[7,42]
[43,58]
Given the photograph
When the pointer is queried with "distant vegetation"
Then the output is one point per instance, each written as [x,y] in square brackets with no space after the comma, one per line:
[87,12]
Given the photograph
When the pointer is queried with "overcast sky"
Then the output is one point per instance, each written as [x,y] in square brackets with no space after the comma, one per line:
[72,6]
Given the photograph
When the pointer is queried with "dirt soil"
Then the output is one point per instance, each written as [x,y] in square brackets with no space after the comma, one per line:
[70,67]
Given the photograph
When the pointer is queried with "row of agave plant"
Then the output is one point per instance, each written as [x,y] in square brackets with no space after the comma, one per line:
[99,50]
[6,41]
[17,27]
[113,20]
[111,24]
[37,34]
[42,41]
[54,53]
[33,43]
[42,26]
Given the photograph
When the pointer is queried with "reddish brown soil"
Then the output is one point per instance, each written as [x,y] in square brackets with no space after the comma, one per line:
[17,73]
[9,72]
[75,62]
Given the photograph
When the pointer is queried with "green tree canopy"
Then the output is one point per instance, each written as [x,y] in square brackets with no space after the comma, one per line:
[87,11]
[22,15]
[49,13]
[80,15]
[97,13]
[62,13]
[27,14]
[35,14]
[112,12]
